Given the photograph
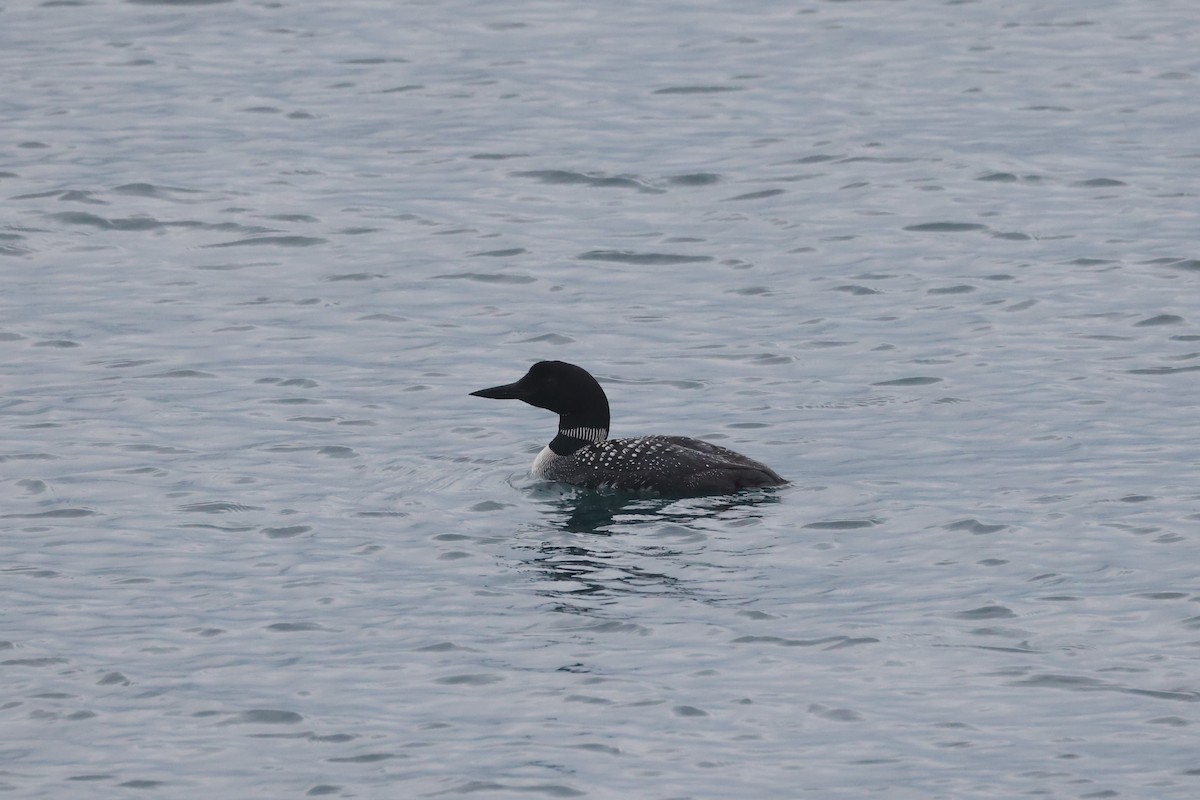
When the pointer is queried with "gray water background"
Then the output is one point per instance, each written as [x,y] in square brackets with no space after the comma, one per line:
[936,262]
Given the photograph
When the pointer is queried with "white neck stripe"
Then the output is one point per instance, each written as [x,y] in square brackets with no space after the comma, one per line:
[586,434]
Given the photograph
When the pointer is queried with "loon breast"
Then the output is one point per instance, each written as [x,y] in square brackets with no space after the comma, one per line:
[668,464]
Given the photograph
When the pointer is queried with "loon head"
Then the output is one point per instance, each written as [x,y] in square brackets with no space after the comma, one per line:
[568,390]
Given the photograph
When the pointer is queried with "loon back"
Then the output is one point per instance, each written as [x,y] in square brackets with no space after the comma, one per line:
[666,464]
[583,455]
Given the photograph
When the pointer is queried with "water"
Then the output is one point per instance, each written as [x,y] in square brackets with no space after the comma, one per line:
[934,262]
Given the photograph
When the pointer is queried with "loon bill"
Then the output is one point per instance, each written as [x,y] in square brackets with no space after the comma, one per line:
[583,455]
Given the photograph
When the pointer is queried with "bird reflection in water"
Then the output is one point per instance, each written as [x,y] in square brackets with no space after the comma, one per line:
[593,558]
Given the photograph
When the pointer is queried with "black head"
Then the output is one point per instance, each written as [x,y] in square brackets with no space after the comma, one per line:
[568,390]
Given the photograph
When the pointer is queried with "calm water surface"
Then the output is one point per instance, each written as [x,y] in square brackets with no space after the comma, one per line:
[935,262]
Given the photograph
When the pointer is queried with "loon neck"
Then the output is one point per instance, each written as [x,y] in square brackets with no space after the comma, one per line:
[572,434]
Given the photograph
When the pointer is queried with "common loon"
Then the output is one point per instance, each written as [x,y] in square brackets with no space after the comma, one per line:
[583,455]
